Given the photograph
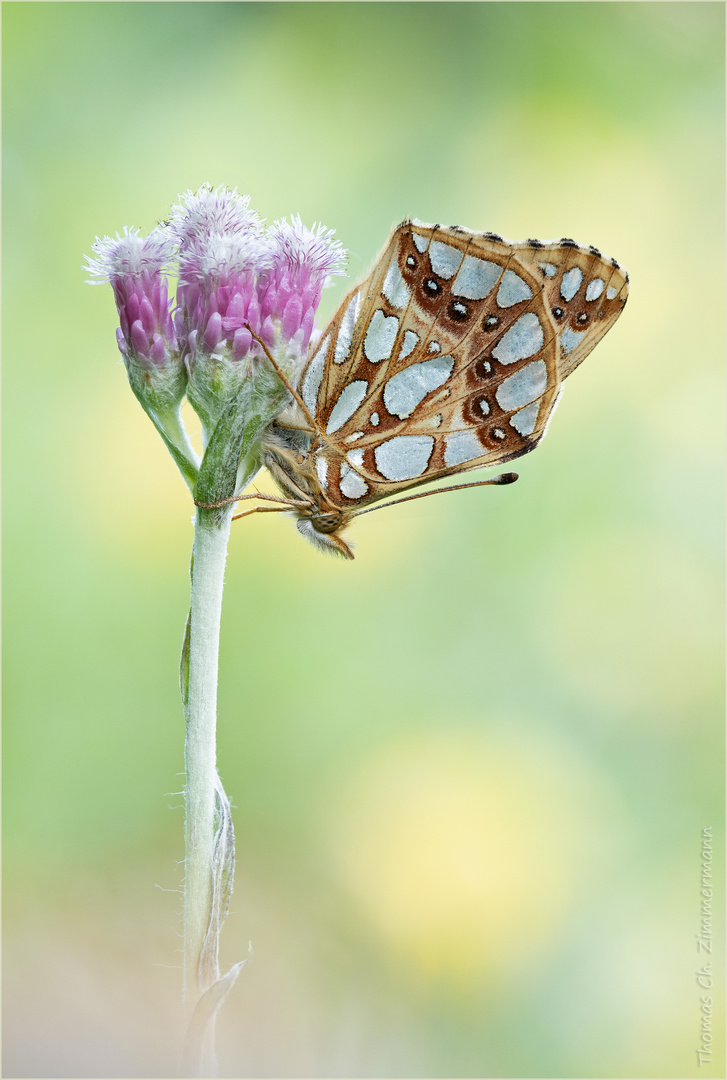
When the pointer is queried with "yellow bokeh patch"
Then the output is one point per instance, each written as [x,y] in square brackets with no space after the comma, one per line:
[463,850]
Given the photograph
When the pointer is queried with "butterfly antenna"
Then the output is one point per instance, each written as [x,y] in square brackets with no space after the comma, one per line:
[503,478]
[285,380]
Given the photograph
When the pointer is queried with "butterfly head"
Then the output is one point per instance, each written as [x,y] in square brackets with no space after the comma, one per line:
[321,529]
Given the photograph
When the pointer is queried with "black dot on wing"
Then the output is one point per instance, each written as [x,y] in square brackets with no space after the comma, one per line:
[558,312]
[535,243]
[458,311]
[582,318]
[490,322]
[493,236]
[433,287]
[566,241]
[483,369]
[594,251]
[411,261]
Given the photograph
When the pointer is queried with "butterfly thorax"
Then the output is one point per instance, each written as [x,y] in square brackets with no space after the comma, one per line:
[287,457]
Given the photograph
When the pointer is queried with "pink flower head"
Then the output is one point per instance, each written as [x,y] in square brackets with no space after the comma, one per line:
[134,265]
[212,210]
[302,260]
[221,249]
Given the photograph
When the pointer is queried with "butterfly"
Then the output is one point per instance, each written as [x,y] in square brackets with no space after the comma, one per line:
[449,356]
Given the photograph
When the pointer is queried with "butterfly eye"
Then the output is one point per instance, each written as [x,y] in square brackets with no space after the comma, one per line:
[558,312]
[458,311]
[490,321]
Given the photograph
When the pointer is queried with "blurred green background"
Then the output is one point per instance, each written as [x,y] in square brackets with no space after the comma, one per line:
[470,769]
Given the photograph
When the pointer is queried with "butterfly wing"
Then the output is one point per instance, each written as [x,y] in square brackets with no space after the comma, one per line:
[585,290]
[448,357]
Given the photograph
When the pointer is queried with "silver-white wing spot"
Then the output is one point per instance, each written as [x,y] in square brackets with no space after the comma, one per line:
[571,283]
[375,419]
[434,346]
[395,289]
[610,293]
[595,288]
[570,338]
[523,339]
[524,386]
[525,420]
[512,290]
[343,342]
[352,485]
[476,278]
[410,342]
[313,376]
[420,242]
[380,336]
[322,470]
[349,400]
[407,388]
[549,269]
[462,446]
[444,259]
[404,456]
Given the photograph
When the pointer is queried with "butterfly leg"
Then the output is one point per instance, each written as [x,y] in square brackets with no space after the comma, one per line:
[263,510]
[253,495]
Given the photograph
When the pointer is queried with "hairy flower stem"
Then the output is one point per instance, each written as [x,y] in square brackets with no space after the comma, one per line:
[211,534]
[209,837]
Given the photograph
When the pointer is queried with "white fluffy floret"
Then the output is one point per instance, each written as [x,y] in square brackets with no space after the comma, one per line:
[211,210]
[313,249]
[130,255]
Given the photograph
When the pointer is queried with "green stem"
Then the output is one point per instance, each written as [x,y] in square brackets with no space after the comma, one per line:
[173,432]
[212,530]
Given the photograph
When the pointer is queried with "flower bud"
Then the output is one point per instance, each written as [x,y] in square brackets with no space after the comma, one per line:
[221,248]
[134,265]
[302,262]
